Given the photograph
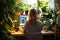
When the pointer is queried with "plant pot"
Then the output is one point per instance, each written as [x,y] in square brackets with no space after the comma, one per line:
[45,29]
[21,12]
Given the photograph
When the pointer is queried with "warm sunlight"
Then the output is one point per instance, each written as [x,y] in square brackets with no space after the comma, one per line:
[32,2]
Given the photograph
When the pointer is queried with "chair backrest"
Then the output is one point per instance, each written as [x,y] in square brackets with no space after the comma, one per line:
[34,36]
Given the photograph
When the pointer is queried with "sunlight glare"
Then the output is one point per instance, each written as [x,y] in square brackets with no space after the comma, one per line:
[31,1]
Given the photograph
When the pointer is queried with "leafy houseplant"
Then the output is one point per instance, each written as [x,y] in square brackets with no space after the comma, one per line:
[48,15]
[47,22]
[19,8]
[53,12]
[49,19]
[46,28]
[43,5]
[7,15]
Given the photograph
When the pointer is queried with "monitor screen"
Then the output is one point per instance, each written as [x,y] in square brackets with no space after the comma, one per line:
[23,19]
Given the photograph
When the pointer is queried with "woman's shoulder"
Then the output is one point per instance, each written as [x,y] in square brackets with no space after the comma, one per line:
[40,22]
[27,23]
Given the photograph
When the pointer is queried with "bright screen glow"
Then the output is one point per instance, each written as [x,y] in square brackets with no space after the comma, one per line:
[23,19]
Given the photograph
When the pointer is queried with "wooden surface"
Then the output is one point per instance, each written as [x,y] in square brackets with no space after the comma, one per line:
[42,32]
[21,31]
[47,33]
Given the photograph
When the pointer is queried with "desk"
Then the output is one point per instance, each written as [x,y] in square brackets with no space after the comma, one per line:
[42,32]
[47,33]
[19,33]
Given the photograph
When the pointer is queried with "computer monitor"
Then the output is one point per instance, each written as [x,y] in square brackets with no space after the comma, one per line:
[23,19]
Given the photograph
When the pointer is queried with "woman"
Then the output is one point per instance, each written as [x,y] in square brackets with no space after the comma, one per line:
[33,26]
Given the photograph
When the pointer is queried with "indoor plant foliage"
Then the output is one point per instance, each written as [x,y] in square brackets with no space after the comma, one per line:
[19,6]
[43,4]
[49,18]
[53,13]
[7,14]
[47,22]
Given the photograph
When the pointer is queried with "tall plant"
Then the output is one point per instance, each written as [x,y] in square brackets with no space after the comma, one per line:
[43,5]
[7,14]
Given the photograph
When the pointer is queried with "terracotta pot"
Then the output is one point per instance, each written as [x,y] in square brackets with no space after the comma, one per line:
[21,12]
[45,29]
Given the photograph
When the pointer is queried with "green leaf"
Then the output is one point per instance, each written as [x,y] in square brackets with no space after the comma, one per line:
[8,21]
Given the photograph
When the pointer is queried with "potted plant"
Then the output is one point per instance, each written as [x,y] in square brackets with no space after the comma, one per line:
[45,28]
[49,19]
[47,24]
[43,5]
[19,9]
[7,14]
